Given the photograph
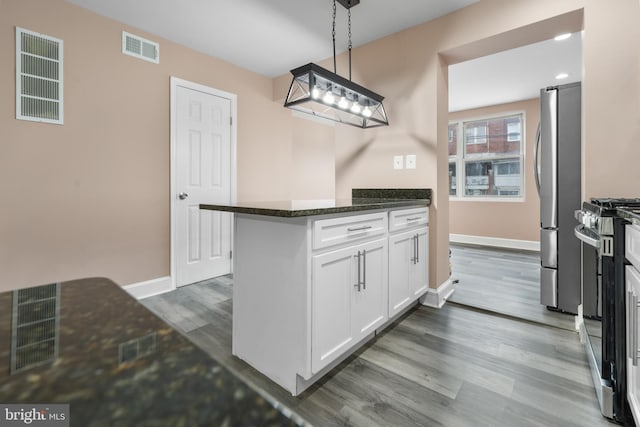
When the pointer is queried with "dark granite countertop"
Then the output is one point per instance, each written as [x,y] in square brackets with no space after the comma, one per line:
[89,344]
[362,200]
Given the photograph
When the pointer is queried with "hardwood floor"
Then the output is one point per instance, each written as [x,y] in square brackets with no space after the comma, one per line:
[433,367]
[502,281]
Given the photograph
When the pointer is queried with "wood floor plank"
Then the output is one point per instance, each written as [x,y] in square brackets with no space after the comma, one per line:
[450,367]
[502,281]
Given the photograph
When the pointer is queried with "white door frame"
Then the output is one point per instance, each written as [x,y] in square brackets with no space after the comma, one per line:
[175,83]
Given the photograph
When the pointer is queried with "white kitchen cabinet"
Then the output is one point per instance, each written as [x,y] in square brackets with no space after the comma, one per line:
[308,291]
[349,299]
[408,261]
[632,278]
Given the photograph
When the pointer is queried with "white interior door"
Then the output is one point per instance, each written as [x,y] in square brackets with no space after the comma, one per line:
[202,239]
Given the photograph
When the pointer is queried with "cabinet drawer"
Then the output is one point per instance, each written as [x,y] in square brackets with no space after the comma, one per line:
[407,218]
[632,244]
[335,231]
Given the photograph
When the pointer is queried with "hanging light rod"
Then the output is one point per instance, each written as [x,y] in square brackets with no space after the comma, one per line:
[317,91]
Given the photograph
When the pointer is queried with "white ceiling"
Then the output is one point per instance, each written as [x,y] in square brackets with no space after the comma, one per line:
[271,37]
[515,74]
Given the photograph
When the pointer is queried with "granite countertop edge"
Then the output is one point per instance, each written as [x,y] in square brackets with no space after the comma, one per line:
[292,213]
[362,199]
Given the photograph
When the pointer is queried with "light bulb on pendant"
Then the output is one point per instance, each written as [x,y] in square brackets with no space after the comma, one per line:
[355,108]
[366,112]
[329,98]
[343,103]
[315,92]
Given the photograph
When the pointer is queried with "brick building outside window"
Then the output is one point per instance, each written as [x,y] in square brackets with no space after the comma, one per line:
[487,160]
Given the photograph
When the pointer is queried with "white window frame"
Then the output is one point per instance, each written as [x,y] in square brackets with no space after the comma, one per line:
[20,74]
[460,160]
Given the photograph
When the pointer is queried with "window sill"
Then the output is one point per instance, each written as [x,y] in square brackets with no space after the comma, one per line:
[487,199]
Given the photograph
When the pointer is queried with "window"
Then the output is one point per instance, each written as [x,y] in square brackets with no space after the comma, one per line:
[488,161]
[39,85]
[475,133]
[513,131]
[453,150]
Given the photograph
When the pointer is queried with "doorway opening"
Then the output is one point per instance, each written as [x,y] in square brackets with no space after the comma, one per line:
[494,207]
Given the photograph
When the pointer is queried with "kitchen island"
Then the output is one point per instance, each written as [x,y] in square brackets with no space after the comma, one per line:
[316,279]
[90,345]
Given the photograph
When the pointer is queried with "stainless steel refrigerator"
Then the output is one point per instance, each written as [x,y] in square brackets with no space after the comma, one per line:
[557,167]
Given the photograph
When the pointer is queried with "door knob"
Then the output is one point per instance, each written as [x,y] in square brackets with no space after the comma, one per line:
[182,196]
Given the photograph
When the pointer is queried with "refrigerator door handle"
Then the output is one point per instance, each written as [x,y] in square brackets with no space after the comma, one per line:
[549,158]
[536,162]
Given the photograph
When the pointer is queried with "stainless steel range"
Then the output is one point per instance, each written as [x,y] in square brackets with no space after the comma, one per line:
[603,329]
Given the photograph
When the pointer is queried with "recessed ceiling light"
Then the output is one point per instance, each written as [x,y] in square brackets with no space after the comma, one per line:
[562,76]
[562,36]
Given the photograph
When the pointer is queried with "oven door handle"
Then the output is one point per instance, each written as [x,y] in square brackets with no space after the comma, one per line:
[583,234]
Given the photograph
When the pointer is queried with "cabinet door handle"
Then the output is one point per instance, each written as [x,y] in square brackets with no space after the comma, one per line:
[417,248]
[629,324]
[415,218]
[364,227]
[358,280]
[634,329]
[364,269]
[413,240]
[416,254]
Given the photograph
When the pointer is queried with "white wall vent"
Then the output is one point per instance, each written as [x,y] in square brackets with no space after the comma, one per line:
[140,48]
[39,83]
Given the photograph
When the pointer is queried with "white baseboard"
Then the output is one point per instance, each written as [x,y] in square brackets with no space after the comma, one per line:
[150,287]
[529,245]
[437,297]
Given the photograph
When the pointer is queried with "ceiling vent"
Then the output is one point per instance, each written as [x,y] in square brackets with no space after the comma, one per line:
[140,47]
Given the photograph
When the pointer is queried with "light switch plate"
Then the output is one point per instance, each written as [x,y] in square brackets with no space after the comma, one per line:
[410,161]
[398,162]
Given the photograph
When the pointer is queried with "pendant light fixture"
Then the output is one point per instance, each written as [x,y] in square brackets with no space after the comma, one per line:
[322,93]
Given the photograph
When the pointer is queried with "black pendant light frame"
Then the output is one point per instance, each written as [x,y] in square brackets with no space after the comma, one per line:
[314,90]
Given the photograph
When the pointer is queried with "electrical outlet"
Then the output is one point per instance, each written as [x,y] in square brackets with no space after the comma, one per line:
[398,162]
[410,161]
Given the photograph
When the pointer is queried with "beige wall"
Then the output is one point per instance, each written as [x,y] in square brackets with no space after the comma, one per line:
[410,68]
[413,77]
[611,99]
[505,219]
[91,197]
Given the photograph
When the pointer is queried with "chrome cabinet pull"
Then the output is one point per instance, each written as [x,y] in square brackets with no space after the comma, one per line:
[358,280]
[416,252]
[634,337]
[365,227]
[364,269]
[415,258]
[417,248]
[417,218]
[629,324]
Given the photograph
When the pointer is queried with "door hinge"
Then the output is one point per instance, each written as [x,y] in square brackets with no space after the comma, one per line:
[231,120]
[230,254]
